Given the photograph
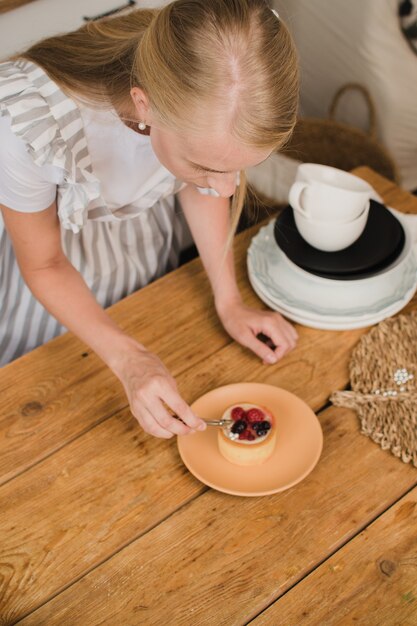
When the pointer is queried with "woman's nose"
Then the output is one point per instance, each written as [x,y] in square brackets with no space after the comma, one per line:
[224,184]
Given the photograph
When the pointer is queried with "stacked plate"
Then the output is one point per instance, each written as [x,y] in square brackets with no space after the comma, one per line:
[361,285]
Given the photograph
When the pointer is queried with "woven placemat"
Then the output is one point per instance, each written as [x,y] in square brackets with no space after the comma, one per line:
[383,377]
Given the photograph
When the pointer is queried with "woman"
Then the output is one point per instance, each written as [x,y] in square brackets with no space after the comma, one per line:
[99,129]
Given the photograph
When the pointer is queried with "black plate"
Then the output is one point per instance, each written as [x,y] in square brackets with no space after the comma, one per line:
[380,244]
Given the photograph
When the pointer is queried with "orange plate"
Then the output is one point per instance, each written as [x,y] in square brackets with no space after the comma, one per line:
[298,447]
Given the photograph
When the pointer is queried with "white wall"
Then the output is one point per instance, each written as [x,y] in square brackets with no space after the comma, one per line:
[342,41]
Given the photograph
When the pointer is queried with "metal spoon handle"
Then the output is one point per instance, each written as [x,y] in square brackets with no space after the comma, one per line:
[208,422]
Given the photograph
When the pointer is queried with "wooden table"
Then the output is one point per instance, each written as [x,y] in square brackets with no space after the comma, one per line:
[102,524]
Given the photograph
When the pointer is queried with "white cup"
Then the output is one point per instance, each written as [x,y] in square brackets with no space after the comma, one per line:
[327,193]
[331,236]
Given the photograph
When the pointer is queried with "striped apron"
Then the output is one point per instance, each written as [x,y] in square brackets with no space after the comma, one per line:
[116,252]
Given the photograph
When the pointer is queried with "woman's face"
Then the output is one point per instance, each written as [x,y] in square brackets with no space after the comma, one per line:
[206,161]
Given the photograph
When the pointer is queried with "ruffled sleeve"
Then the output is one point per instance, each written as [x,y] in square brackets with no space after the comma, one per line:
[50,125]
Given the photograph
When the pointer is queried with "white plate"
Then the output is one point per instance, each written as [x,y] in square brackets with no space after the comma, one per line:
[322,298]
[340,322]
[334,323]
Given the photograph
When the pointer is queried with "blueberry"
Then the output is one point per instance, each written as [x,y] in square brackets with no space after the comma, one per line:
[238,427]
[261,426]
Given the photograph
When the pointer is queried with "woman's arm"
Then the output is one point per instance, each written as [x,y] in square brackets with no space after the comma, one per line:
[209,222]
[62,291]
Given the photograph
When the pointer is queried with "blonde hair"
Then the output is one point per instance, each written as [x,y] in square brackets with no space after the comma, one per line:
[235,57]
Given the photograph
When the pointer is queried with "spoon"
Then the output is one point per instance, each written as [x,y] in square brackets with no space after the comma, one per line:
[221,422]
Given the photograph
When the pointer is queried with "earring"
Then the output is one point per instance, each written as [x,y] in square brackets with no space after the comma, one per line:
[142,126]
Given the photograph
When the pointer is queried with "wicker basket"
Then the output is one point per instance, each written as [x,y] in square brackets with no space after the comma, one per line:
[329,142]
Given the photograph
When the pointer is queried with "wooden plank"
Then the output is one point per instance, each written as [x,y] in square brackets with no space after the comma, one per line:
[81,505]
[393,195]
[46,396]
[222,559]
[80,485]
[311,361]
[371,580]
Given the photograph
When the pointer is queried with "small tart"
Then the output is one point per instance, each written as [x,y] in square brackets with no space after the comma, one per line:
[239,450]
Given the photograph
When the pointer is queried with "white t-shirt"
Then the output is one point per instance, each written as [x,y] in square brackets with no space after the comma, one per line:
[122,160]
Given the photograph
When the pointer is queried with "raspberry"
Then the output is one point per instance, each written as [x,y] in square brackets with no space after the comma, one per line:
[254,415]
[237,413]
[247,435]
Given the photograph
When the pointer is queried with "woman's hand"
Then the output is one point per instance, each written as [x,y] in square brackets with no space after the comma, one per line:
[150,389]
[244,324]
[209,221]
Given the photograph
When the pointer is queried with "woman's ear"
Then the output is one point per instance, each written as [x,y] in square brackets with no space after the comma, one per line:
[141,103]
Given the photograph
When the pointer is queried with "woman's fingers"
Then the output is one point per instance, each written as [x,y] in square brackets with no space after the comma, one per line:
[160,409]
[151,426]
[156,420]
[153,396]
[261,349]
[172,398]
[266,340]
[276,338]
[284,335]
[168,421]
[267,334]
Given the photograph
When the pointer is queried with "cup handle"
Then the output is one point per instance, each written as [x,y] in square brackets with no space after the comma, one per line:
[296,190]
